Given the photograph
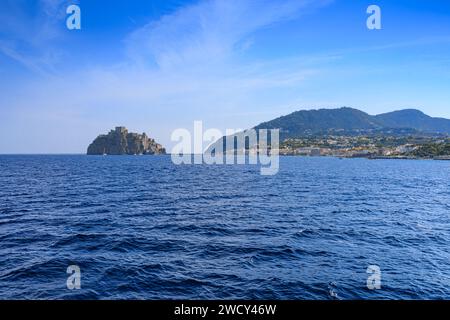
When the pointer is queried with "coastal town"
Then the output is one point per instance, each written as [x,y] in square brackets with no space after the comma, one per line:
[373,147]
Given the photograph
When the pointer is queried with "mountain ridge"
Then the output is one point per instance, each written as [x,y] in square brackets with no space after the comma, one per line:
[353,121]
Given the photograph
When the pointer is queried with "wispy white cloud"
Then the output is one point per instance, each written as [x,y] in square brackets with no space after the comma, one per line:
[193,56]
[208,32]
[194,52]
[28,36]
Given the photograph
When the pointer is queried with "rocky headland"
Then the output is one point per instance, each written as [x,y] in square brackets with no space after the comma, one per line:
[121,142]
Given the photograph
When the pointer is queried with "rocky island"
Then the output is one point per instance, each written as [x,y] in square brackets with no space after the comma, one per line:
[122,142]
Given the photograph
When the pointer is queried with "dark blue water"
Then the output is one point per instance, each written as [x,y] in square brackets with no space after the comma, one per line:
[143,228]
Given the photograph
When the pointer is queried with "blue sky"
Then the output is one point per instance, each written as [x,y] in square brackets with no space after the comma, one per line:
[155,66]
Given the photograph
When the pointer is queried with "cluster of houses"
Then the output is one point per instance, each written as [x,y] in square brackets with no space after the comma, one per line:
[342,150]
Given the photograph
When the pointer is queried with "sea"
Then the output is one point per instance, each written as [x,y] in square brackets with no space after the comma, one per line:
[141,227]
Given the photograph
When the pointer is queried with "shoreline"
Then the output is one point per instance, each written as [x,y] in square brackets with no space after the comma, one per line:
[438,158]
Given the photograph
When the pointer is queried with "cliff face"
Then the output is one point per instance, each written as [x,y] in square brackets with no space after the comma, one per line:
[120,142]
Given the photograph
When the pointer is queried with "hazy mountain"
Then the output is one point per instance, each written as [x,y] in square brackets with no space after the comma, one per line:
[416,119]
